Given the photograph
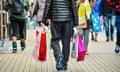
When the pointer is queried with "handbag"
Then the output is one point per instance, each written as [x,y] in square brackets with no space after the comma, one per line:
[39,51]
[81,49]
[48,37]
[74,46]
[42,48]
[36,45]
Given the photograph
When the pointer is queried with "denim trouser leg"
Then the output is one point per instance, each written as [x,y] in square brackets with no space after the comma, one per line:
[108,25]
[118,30]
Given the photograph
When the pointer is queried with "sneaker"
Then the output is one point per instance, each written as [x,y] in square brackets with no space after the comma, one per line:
[59,64]
[14,45]
[112,39]
[95,40]
[22,46]
[92,38]
[117,49]
[107,40]
[64,66]
[14,50]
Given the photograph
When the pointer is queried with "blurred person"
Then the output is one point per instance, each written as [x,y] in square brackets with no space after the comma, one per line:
[106,13]
[84,12]
[17,10]
[59,13]
[92,4]
[38,9]
[96,25]
[115,4]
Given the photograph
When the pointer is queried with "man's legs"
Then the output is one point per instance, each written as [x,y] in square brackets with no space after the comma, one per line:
[111,27]
[106,24]
[112,32]
[117,49]
[56,36]
[22,30]
[61,30]
[66,36]
[14,27]
[17,24]
[86,38]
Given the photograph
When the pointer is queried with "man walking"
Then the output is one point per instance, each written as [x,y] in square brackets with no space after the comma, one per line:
[106,13]
[17,10]
[60,13]
[115,4]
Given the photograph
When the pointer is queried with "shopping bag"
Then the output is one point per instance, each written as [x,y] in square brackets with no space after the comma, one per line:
[81,49]
[74,49]
[36,45]
[40,45]
[42,48]
[48,39]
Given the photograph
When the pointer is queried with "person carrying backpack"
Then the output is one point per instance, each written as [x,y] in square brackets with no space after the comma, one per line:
[17,10]
[115,4]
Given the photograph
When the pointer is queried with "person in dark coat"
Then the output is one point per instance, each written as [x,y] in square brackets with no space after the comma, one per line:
[59,13]
[115,4]
[106,13]
[17,11]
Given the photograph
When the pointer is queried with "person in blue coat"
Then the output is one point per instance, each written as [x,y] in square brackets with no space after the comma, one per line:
[96,26]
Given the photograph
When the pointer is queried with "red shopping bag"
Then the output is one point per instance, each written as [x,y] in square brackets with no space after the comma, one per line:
[42,48]
[39,51]
[81,49]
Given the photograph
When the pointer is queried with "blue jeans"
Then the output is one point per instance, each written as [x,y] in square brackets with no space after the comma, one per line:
[109,28]
[117,23]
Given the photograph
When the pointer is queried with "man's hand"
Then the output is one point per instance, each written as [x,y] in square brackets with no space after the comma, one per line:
[49,21]
[43,27]
[75,30]
[42,24]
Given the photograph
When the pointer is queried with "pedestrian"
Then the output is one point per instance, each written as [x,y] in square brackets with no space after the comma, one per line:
[92,4]
[96,25]
[38,9]
[115,4]
[106,14]
[59,13]
[84,11]
[17,10]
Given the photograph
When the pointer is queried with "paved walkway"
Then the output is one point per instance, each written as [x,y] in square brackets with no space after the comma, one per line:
[101,58]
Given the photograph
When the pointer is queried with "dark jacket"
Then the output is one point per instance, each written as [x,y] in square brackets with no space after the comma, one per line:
[105,9]
[115,4]
[60,10]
